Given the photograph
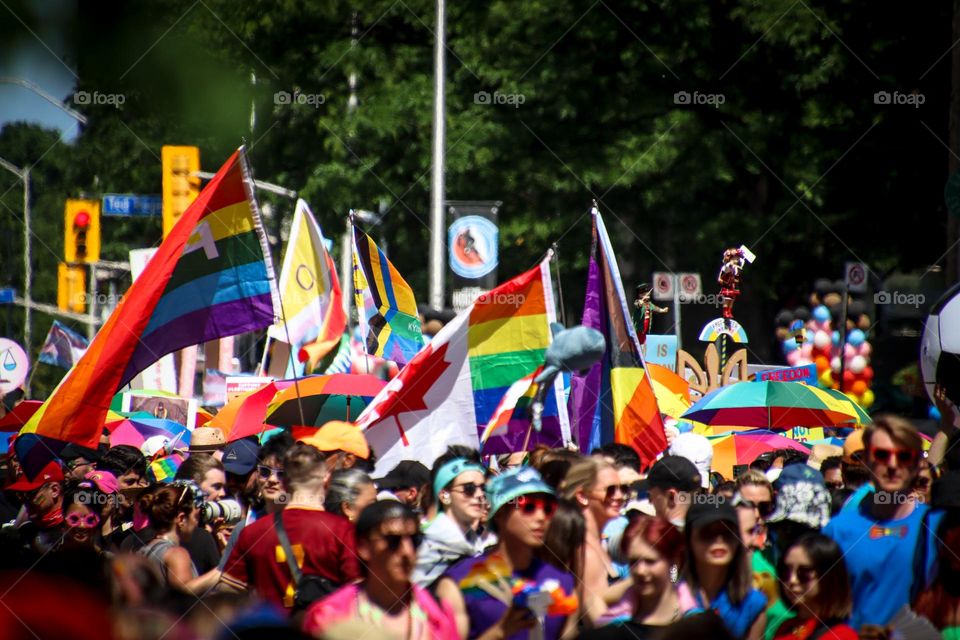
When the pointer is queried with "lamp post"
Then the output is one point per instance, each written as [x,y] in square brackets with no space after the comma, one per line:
[24,175]
[26,84]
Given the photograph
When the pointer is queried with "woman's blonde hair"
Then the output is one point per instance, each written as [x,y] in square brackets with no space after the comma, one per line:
[583,474]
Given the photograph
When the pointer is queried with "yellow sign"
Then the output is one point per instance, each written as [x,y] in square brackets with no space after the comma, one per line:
[71,288]
[180,187]
[81,231]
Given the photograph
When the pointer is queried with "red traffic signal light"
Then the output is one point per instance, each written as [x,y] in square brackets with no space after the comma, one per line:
[81,220]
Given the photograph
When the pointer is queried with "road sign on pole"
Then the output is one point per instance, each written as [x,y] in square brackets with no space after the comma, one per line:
[689,285]
[856,277]
[129,204]
[663,285]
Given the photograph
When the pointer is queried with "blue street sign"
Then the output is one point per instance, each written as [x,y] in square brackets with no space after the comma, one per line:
[128,204]
[6,295]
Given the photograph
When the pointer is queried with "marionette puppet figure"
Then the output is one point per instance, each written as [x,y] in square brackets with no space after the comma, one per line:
[645,310]
[729,280]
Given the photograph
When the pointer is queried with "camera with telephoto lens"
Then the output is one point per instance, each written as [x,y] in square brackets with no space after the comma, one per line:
[228,511]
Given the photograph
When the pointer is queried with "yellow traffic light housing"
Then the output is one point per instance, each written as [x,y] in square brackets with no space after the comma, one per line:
[71,288]
[180,186]
[81,231]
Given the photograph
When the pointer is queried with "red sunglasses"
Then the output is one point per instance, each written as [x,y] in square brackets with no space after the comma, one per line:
[883,456]
[528,505]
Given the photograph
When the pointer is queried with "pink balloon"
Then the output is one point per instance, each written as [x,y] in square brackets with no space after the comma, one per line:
[806,350]
[865,349]
[827,326]
[849,351]
[793,358]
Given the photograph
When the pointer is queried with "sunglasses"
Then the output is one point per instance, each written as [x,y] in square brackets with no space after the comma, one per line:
[883,456]
[394,540]
[804,573]
[266,472]
[88,521]
[528,505]
[469,489]
[764,507]
[610,492]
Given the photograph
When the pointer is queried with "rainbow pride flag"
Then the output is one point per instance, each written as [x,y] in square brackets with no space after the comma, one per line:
[389,324]
[451,389]
[211,277]
[514,409]
[614,401]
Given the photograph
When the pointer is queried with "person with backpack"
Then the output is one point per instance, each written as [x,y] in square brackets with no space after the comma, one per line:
[299,554]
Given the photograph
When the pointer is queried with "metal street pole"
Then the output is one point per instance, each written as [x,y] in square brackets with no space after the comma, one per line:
[437,181]
[24,175]
[26,84]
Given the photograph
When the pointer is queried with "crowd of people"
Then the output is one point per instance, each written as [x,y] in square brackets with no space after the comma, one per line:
[297,539]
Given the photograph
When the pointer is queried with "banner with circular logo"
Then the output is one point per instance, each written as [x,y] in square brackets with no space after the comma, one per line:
[14,366]
[473,246]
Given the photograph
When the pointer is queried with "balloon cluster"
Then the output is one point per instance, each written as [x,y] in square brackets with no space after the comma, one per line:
[813,337]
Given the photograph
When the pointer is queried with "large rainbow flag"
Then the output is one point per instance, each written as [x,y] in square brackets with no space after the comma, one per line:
[614,401]
[211,277]
[389,324]
[448,393]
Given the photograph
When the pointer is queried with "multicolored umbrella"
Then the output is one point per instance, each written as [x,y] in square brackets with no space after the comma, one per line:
[136,431]
[338,396]
[772,405]
[743,448]
[244,415]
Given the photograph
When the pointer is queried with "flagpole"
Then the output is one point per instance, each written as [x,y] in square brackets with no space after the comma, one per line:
[556,264]
[266,350]
[296,380]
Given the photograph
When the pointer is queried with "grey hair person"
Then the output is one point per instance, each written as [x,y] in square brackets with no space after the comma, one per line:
[344,488]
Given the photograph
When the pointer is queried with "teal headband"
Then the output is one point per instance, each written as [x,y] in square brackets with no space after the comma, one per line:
[450,470]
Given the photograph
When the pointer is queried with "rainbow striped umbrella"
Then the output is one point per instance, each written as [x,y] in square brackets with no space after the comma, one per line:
[773,405]
[338,396]
[743,448]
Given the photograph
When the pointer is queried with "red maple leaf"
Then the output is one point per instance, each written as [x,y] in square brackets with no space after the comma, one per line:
[412,384]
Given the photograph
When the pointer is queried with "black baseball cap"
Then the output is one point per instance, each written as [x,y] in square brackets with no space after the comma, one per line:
[674,472]
[73,451]
[407,474]
[710,509]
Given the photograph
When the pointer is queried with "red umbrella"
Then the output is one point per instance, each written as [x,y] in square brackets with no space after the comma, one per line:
[243,416]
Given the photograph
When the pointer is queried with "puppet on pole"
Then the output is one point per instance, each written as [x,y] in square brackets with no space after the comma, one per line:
[725,328]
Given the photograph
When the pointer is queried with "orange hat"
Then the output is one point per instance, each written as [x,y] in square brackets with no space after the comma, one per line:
[337,435]
[852,445]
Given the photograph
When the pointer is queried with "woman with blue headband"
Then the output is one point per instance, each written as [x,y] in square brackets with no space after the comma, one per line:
[458,480]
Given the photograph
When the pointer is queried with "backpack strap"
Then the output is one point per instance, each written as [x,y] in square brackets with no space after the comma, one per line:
[287,548]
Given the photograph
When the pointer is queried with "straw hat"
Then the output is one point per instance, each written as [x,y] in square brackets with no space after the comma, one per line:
[207,440]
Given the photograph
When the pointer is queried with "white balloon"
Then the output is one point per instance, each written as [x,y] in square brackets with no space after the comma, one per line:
[835,363]
[858,364]
[821,340]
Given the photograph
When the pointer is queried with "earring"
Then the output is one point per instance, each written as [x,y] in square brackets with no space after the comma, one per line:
[445,500]
[674,574]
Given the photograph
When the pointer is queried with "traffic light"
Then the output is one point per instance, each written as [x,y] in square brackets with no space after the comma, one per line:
[180,187]
[71,288]
[81,231]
